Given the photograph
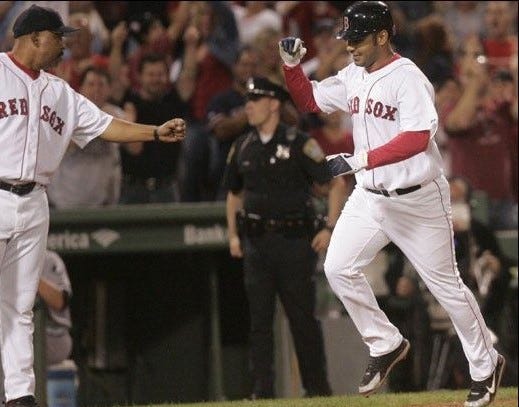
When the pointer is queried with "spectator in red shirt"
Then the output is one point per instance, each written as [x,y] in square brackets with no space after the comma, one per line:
[498,42]
[482,130]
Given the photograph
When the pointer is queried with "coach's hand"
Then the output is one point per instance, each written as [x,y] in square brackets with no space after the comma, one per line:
[171,131]
[291,50]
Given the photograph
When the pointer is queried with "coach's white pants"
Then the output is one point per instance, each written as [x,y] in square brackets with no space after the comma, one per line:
[24,224]
[420,224]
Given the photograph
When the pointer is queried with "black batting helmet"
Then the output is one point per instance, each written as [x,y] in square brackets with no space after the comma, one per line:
[363,18]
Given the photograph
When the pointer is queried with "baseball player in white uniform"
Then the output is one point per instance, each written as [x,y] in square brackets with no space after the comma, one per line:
[39,115]
[401,193]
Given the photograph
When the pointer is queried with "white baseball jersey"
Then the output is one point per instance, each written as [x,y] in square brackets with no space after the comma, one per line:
[391,100]
[38,118]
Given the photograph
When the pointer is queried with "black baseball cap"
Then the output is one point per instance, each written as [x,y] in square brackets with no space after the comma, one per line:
[37,18]
[260,86]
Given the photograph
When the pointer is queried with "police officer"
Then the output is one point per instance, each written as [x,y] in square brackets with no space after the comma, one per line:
[269,175]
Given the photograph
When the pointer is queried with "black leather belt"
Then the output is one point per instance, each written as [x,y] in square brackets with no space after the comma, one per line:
[253,225]
[18,189]
[398,191]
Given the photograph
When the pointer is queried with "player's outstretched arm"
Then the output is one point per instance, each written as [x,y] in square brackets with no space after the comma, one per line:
[121,131]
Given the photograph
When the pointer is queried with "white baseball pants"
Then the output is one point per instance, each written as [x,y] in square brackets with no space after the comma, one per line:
[420,224]
[24,224]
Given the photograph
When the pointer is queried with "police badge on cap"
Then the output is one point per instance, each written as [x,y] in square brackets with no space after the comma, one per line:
[259,86]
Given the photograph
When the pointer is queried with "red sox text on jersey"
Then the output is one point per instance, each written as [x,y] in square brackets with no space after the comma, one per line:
[19,107]
[378,109]
[39,116]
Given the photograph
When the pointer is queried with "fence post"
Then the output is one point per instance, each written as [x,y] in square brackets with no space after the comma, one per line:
[40,363]
[216,370]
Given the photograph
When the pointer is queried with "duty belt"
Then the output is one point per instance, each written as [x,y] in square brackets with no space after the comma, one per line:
[18,189]
[398,191]
[276,225]
[253,225]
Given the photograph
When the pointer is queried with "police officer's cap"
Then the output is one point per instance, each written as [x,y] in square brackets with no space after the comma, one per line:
[259,86]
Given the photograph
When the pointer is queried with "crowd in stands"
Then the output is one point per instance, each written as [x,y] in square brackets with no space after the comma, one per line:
[191,59]
[150,61]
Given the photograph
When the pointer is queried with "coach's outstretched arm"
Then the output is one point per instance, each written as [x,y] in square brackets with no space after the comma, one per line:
[121,131]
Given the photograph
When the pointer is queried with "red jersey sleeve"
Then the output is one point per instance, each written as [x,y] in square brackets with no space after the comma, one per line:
[300,89]
[402,147]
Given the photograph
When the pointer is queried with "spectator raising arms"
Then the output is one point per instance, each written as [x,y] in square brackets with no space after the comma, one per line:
[482,133]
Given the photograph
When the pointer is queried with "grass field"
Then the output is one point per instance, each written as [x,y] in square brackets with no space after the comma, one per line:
[506,397]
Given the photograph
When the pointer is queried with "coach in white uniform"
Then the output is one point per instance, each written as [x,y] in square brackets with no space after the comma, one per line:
[39,115]
[401,193]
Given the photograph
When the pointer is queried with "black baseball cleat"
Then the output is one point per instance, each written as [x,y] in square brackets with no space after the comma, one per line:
[483,393]
[25,401]
[380,366]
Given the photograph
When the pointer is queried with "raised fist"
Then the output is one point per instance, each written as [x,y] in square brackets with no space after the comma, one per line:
[171,131]
[291,50]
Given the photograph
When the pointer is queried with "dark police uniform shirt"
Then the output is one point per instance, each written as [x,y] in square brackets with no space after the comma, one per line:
[276,177]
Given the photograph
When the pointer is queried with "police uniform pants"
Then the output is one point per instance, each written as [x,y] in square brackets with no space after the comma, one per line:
[275,265]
